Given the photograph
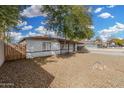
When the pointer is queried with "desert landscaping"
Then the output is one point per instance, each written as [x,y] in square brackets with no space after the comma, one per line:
[61,46]
[74,70]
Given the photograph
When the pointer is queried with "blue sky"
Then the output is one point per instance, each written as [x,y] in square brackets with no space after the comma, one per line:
[101,23]
[108,21]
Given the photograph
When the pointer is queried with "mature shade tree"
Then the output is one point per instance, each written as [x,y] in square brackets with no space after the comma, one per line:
[9,16]
[71,21]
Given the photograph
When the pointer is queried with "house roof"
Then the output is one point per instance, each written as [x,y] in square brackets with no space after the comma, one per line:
[49,38]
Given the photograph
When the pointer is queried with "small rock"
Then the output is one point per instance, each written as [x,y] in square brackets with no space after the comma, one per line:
[99,66]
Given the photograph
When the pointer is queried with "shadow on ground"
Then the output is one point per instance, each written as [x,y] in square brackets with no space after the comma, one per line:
[67,55]
[44,60]
[24,74]
[51,59]
[28,73]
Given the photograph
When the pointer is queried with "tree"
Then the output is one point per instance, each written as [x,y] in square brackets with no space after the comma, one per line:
[99,42]
[9,16]
[71,21]
[118,42]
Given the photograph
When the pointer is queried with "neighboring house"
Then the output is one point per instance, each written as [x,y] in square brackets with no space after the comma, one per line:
[89,43]
[111,44]
[46,46]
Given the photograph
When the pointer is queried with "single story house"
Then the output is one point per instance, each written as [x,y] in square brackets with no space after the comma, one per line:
[38,46]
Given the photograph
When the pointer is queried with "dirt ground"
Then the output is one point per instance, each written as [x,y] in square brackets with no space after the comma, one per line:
[77,70]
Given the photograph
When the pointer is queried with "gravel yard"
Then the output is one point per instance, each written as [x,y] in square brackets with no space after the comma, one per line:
[78,70]
[24,73]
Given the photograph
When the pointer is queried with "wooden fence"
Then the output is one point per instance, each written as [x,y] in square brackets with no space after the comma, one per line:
[14,52]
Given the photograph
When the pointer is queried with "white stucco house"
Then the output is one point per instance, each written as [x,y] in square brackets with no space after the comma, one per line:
[38,46]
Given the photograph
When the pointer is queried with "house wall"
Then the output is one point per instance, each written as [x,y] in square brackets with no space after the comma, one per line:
[35,48]
[55,47]
[1,52]
[64,48]
[71,47]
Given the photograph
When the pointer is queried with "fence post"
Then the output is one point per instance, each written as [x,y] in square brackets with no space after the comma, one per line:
[2,57]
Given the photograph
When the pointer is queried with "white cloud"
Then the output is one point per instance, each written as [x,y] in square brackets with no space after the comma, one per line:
[91,27]
[16,35]
[27,27]
[120,26]
[40,29]
[98,10]
[22,23]
[32,11]
[33,34]
[43,31]
[105,15]
[114,29]
[106,33]
[111,6]
[105,37]
[90,9]
[43,23]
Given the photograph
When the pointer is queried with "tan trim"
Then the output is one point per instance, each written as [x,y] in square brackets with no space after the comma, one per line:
[49,38]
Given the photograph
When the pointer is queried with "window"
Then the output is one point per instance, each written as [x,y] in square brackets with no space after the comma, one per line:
[46,45]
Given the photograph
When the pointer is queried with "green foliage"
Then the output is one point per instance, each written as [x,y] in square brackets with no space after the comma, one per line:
[119,42]
[71,21]
[9,16]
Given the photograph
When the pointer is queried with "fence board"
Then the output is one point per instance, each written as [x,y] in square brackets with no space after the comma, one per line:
[14,52]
